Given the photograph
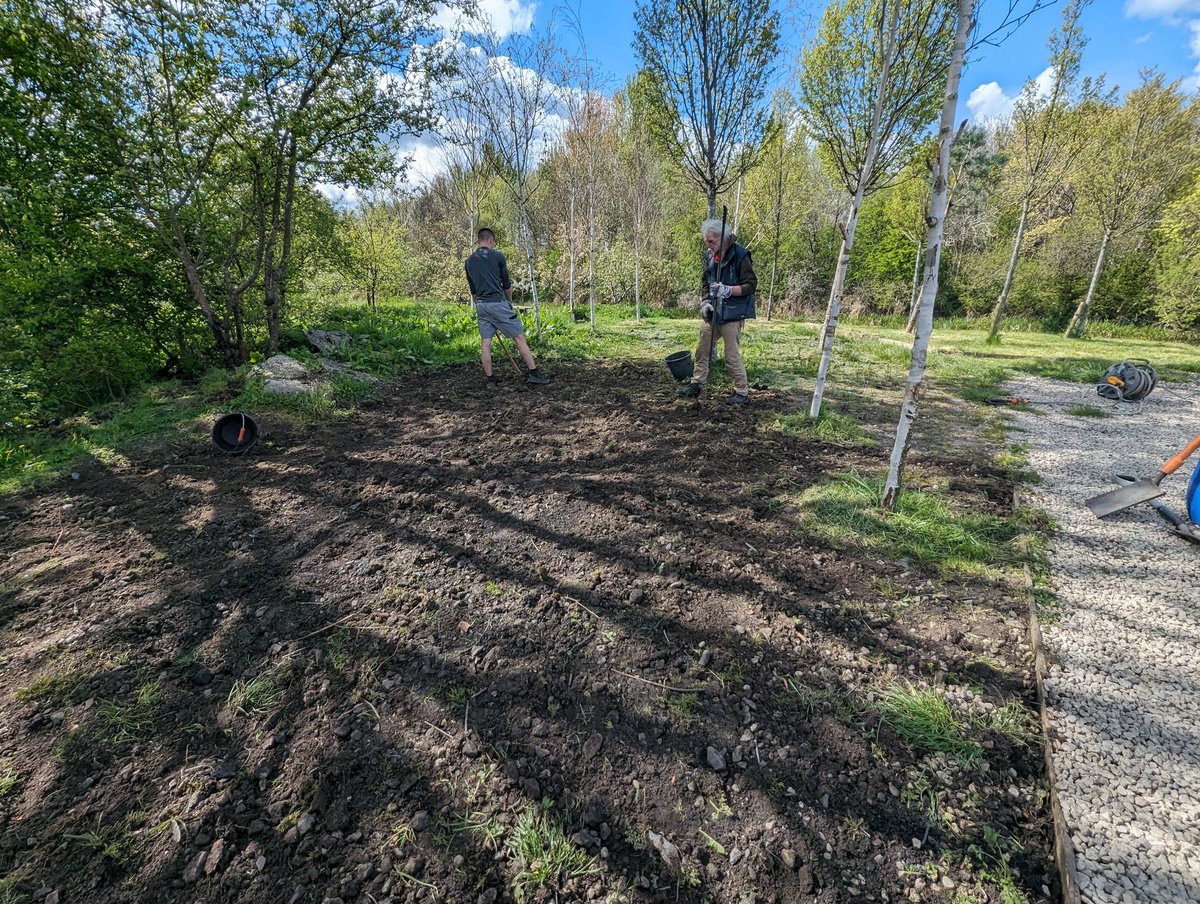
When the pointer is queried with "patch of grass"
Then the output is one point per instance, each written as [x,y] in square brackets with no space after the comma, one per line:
[683,708]
[920,793]
[127,724]
[9,778]
[924,720]
[339,649]
[1014,721]
[830,426]
[1087,411]
[53,687]
[923,525]
[259,695]
[821,700]
[543,855]
[115,841]
[483,829]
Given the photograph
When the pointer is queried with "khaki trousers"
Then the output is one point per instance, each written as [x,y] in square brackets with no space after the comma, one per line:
[731,334]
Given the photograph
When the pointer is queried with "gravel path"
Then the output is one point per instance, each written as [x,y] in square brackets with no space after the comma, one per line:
[1124,686]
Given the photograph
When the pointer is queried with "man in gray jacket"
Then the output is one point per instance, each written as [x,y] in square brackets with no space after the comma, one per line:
[491,287]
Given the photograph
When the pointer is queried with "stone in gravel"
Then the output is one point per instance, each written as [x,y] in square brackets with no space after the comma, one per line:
[788,856]
[257,827]
[192,871]
[705,659]
[531,787]
[202,676]
[421,821]
[716,759]
[488,896]
[57,717]
[735,856]
[364,871]
[593,814]
[305,823]
[215,854]
[592,745]
[637,595]
[471,747]
[668,851]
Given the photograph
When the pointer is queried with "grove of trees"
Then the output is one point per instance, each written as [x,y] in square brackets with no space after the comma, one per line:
[174,176]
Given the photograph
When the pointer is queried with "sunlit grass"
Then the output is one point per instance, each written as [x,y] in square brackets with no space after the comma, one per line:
[925,721]
[923,526]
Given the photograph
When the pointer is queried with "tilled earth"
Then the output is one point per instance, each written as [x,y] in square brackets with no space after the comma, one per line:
[565,644]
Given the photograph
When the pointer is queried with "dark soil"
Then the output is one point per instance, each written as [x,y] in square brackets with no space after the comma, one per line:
[347,664]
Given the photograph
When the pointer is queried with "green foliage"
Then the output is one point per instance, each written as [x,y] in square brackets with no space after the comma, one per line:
[925,720]
[922,526]
[543,855]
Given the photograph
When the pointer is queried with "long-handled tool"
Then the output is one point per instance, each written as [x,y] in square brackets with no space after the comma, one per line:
[1179,524]
[1141,490]
[508,352]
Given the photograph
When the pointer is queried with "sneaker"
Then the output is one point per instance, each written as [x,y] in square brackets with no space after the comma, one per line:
[737,399]
[691,391]
[490,384]
[536,378]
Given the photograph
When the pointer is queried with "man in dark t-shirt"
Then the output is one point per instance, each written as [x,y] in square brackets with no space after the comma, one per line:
[491,287]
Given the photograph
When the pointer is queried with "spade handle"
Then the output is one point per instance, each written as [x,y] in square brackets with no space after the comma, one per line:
[1177,462]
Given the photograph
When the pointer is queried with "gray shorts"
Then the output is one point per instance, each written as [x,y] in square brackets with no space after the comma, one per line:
[498,317]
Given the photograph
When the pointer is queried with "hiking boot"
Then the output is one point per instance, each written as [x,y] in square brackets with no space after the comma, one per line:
[490,384]
[737,399]
[536,378]
[691,391]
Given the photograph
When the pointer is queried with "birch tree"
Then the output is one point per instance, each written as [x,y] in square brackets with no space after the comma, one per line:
[1137,158]
[869,88]
[938,206]
[710,62]
[1041,144]
[521,99]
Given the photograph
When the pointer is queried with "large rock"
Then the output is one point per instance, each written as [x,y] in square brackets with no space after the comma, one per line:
[326,341]
[285,387]
[283,367]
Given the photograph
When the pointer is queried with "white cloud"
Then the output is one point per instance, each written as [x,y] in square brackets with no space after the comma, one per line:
[989,102]
[1142,39]
[503,17]
[1170,10]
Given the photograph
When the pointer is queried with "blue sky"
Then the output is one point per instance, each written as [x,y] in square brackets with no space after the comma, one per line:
[1124,36]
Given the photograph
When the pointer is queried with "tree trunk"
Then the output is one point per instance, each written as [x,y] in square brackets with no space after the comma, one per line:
[939,204]
[1002,301]
[1079,321]
[712,203]
[528,232]
[592,254]
[637,284]
[737,207]
[571,252]
[778,227]
[914,299]
[843,265]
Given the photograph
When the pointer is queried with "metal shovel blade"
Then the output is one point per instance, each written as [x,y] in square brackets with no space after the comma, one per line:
[1123,497]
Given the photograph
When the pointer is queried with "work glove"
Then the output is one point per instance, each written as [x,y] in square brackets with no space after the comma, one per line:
[706,311]
[720,290]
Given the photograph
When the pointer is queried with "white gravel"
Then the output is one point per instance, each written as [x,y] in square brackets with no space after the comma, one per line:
[1124,684]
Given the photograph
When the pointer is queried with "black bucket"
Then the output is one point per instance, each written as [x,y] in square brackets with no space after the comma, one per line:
[681,365]
[234,433]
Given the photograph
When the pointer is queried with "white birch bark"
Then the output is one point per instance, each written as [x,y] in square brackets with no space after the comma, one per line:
[839,278]
[939,204]
[1002,301]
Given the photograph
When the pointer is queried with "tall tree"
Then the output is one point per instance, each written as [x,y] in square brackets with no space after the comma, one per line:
[515,74]
[1138,156]
[1042,144]
[938,207]
[869,87]
[710,63]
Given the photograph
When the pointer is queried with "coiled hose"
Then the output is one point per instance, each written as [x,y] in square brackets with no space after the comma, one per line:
[1128,381]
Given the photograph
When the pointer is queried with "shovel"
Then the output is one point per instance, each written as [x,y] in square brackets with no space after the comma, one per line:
[1141,490]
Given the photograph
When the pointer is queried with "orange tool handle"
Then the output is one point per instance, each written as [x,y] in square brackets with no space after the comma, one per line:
[1177,462]
[242,436]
